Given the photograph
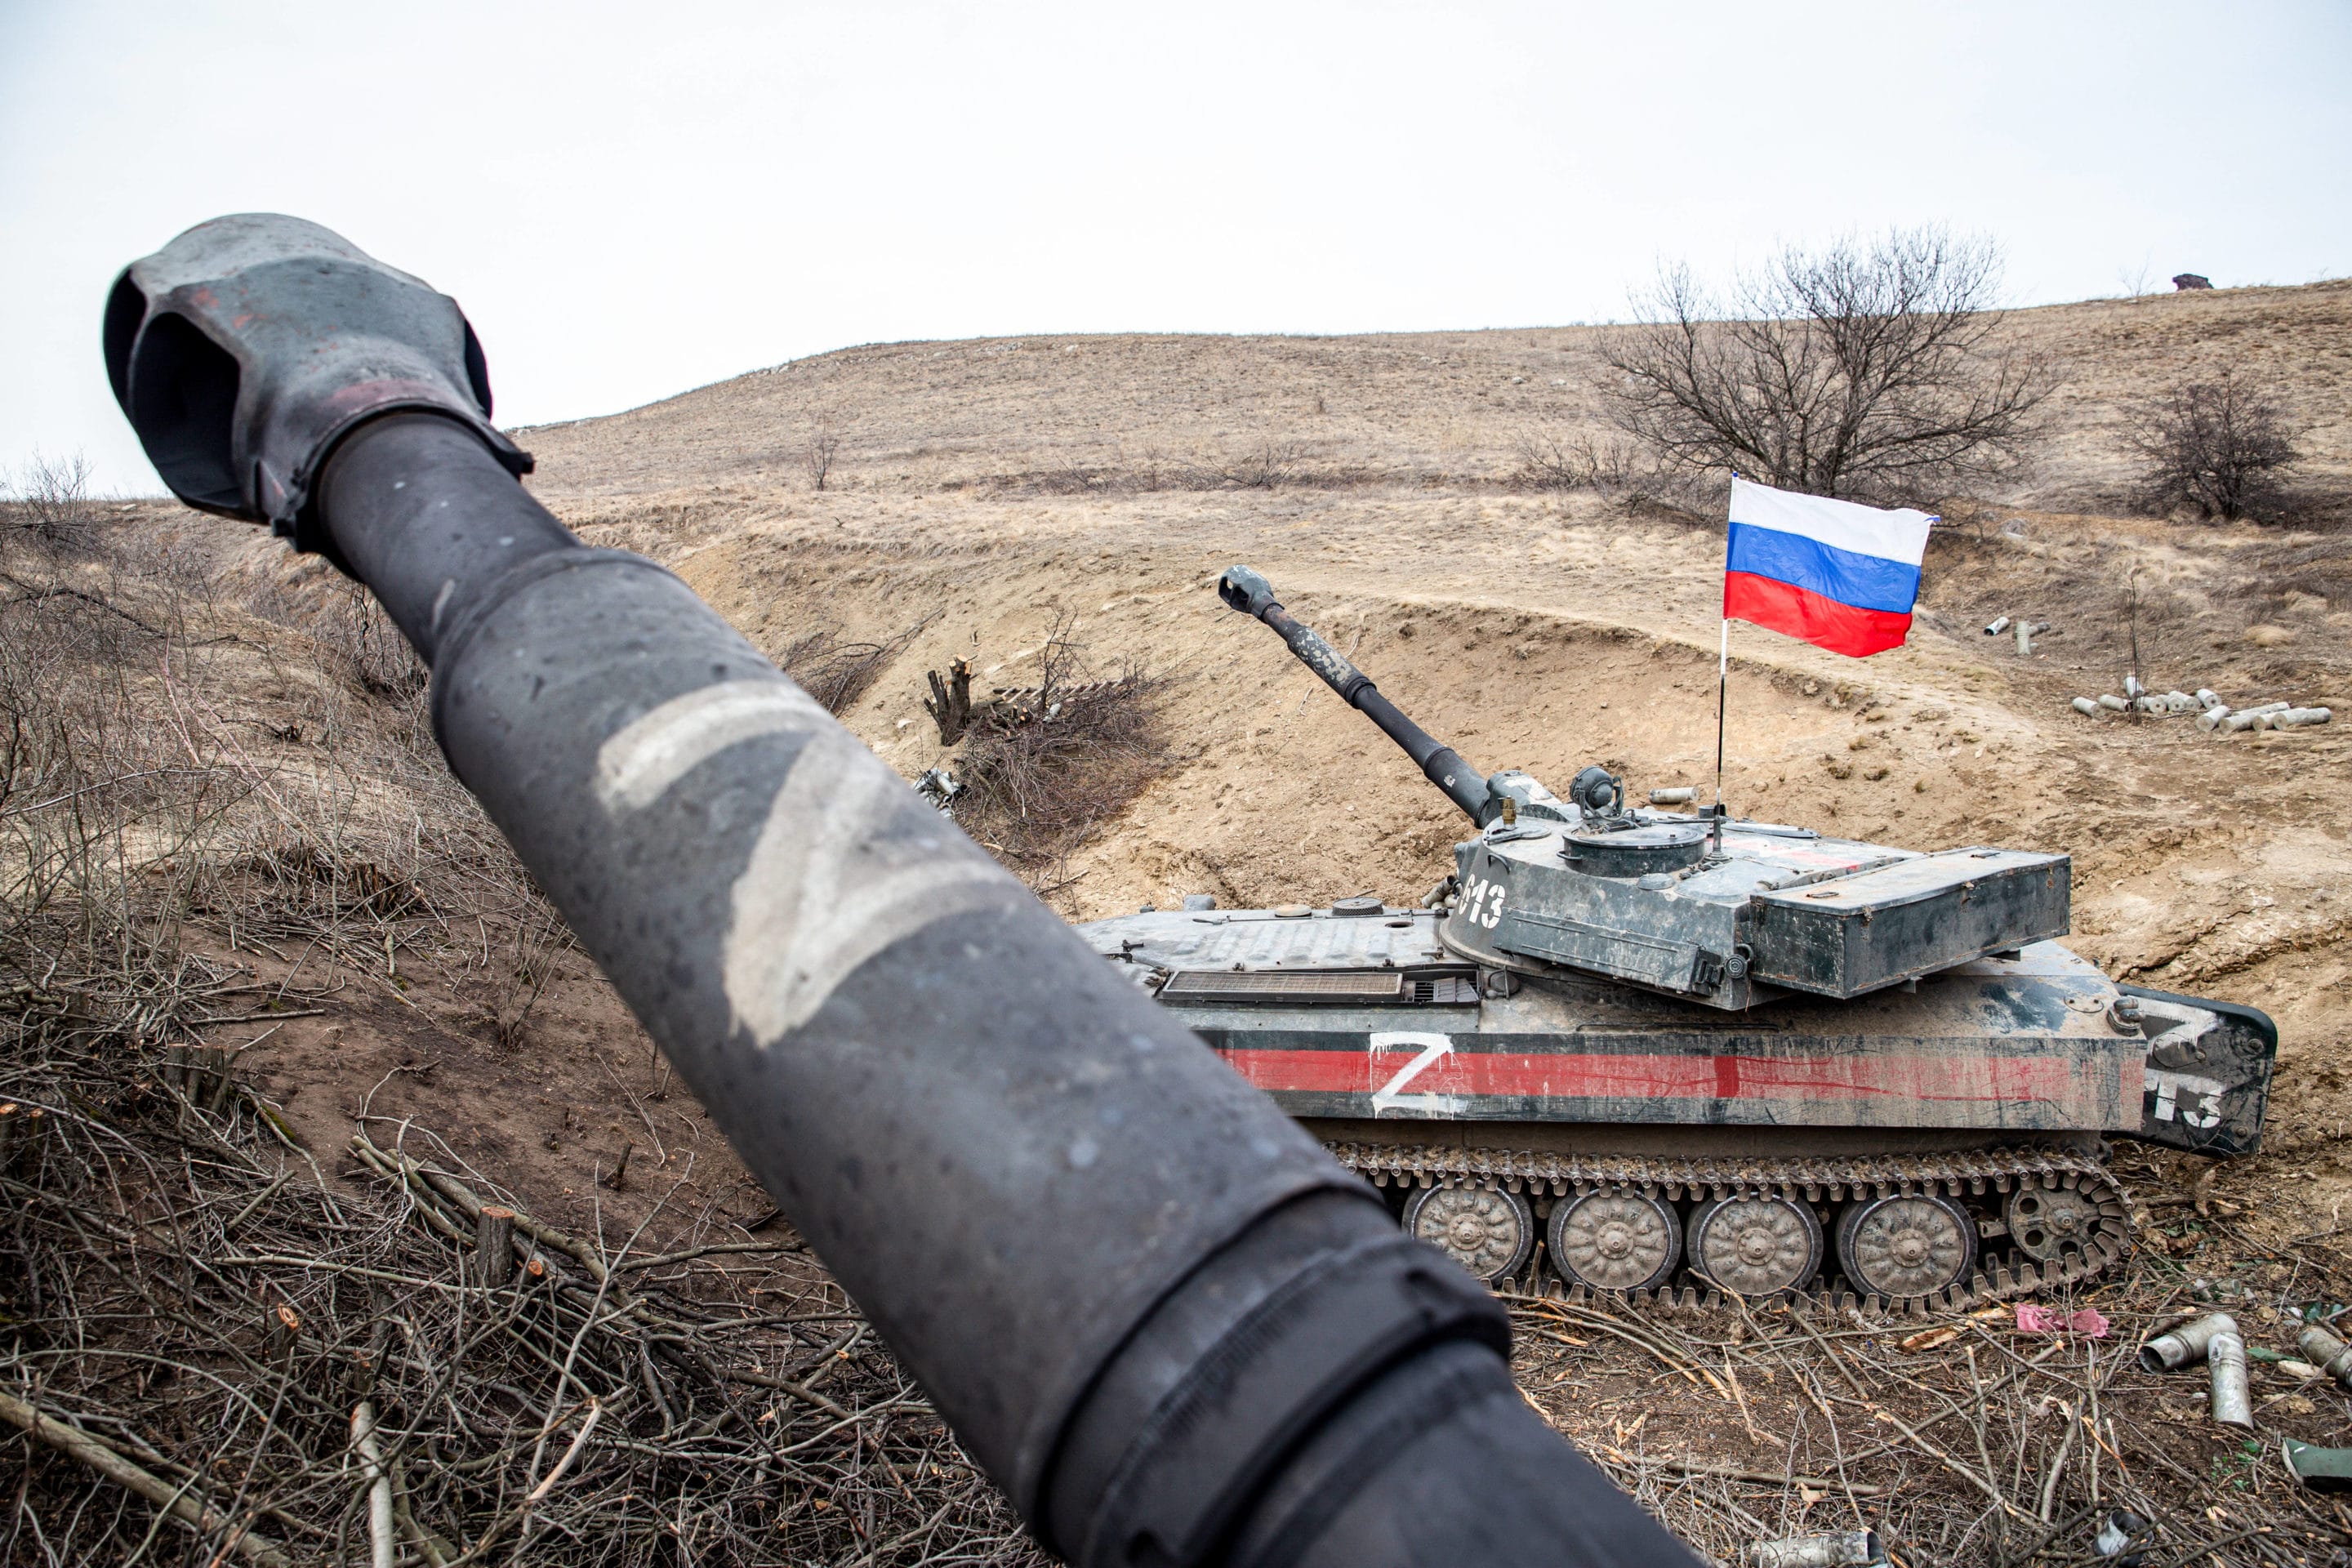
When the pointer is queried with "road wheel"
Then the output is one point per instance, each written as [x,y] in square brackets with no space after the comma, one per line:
[1487,1230]
[1905,1246]
[1615,1240]
[1755,1246]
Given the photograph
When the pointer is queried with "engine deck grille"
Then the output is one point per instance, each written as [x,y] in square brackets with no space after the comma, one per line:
[1323,987]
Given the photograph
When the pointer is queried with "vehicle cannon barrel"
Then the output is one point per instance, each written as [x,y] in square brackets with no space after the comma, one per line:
[1167,1323]
[1244,590]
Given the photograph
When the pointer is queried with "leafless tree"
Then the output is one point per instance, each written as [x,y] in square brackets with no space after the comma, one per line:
[824,442]
[2220,445]
[1876,371]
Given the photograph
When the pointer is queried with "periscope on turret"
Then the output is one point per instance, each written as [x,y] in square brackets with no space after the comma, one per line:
[1687,1052]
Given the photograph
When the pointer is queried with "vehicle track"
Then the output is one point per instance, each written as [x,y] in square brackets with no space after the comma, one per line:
[1988,1183]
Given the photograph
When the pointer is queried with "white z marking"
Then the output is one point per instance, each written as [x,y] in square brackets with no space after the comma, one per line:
[843,867]
[1432,1048]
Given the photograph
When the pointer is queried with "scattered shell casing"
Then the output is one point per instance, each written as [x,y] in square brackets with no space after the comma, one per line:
[1848,1549]
[2115,1533]
[2328,1354]
[2169,1351]
[2234,1402]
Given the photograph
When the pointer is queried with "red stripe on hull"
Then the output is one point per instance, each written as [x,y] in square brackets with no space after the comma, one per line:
[1803,614]
[1914,1075]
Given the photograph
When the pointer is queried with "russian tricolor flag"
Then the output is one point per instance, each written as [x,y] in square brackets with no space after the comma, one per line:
[1829,571]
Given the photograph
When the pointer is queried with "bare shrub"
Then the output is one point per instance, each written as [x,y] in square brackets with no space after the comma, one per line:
[2220,445]
[1078,479]
[1550,461]
[202,829]
[180,776]
[818,452]
[1045,769]
[1262,466]
[53,501]
[837,673]
[1266,463]
[357,641]
[1874,373]
[345,631]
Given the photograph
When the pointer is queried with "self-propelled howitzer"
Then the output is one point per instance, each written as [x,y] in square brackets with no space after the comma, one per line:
[1648,1042]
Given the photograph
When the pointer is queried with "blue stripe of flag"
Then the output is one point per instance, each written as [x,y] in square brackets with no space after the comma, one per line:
[1865,581]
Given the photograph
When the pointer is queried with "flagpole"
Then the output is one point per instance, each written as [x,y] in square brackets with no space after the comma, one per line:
[1722,686]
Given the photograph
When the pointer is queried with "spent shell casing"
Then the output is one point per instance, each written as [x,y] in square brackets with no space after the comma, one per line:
[2187,1343]
[2233,1404]
[1847,1549]
[2328,1354]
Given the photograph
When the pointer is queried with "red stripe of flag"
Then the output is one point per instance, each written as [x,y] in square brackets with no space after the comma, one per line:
[1799,613]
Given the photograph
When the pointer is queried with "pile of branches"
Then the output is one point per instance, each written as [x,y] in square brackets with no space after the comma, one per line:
[210,1344]
[1045,766]
[837,672]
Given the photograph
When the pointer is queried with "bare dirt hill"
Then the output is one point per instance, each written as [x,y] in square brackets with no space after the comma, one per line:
[1433,409]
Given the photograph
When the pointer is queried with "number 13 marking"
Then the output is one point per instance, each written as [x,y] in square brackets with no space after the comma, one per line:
[1485,903]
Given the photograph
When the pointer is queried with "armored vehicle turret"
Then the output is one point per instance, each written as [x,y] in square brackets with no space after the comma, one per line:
[1639,1050]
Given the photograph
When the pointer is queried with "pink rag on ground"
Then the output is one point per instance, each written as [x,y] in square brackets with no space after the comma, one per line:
[2038,1320]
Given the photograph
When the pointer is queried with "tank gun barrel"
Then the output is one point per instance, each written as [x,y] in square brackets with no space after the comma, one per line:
[1165,1322]
[1246,591]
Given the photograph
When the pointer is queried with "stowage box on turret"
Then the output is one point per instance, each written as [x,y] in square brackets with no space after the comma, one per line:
[1673,1050]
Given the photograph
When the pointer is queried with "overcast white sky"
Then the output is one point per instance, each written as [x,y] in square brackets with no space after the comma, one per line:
[635,199]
